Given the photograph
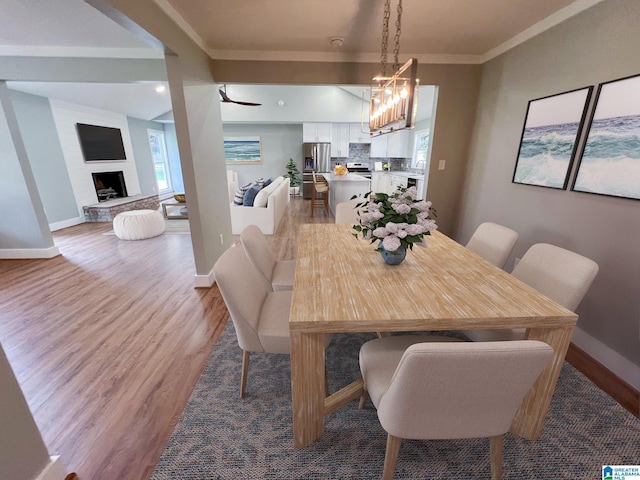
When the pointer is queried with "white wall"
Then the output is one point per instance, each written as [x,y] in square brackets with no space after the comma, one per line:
[301,104]
[65,116]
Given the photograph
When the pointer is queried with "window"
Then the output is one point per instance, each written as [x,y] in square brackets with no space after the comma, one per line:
[421,151]
[160,160]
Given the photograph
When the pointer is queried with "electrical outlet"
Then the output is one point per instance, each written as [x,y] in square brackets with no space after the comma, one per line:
[442,164]
[221,239]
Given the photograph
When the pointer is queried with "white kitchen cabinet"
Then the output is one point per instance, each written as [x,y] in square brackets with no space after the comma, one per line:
[392,145]
[356,134]
[378,147]
[397,181]
[381,182]
[316,132]
[340,140]
[399,144]
[388,182]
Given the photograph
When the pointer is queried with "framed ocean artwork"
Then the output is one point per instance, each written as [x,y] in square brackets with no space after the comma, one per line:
[242,150]
[610,160]
[549,139]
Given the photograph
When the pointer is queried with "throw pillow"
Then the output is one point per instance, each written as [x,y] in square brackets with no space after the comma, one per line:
[250,195]
[264,194]
[238,198]
[268,181]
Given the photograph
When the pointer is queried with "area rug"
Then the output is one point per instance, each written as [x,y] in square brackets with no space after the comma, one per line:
[171,227]
[221,436]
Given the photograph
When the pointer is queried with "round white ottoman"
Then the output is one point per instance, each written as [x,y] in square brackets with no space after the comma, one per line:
[138,224]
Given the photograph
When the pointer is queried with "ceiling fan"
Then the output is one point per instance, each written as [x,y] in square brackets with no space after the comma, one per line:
[226,99]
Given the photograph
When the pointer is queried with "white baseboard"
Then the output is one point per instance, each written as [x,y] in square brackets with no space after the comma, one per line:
[24,253]
[66,223]
[54,470]
[609,358]
[204,281]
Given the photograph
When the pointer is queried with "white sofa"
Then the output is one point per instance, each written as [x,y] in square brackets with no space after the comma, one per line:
[266,218]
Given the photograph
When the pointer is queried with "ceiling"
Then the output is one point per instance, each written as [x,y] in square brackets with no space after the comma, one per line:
[441,31]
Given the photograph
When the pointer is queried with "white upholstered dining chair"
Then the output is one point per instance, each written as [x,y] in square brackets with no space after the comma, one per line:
[275,274]
[449,390]
[260,317]
[346,212]
[493,242]
[562,275]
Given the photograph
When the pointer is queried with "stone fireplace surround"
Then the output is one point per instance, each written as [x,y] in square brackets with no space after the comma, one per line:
[112,186]
[106,211]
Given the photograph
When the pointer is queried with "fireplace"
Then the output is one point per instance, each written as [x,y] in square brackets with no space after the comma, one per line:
[109,185]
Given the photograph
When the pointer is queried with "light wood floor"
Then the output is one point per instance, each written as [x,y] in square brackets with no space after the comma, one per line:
[109,339]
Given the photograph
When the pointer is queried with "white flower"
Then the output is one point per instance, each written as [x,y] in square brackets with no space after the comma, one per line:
[391,243]
[411,215]
[402,208]
[381,232]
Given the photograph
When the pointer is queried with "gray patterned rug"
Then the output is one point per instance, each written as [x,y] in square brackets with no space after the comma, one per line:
[220,436]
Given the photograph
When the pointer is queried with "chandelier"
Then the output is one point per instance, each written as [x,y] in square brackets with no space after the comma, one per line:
[394,99]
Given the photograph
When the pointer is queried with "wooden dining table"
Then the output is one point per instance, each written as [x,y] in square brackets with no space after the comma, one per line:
[343,285]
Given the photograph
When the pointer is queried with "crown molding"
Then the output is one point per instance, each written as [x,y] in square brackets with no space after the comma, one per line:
[551,21]
[78,52]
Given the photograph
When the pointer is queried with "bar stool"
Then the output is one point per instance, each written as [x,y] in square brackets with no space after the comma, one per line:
[320,194]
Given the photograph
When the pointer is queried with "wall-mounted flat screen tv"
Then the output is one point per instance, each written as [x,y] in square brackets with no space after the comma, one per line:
[100,143]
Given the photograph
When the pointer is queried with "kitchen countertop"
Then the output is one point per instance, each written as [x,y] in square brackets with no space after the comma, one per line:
[348,177]
[417,176]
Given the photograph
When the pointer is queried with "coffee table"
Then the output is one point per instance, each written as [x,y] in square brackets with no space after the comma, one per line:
[173,210]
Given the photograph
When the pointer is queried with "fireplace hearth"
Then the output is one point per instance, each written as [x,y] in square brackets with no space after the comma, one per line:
[109,185]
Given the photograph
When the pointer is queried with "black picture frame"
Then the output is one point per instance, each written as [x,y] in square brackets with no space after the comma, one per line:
[549,139]
[609,163]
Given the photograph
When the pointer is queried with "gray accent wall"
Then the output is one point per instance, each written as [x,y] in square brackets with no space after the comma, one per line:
[22,219]
[279,142]
[45,155]
[598,45]
[174,157]
[142,153]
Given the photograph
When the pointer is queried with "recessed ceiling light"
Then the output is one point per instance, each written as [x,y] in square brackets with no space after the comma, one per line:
[160,88]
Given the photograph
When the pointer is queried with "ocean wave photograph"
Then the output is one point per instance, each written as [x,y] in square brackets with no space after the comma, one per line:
[549,137]
[242,150]
[610,162]
[545,155]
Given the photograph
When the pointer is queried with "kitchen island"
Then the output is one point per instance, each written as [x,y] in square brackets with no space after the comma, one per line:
[343,187]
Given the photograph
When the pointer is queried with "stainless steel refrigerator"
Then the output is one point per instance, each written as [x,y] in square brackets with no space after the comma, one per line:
[317,157]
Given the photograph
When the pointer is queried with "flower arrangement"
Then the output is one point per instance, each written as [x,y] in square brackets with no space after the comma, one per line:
[396,220]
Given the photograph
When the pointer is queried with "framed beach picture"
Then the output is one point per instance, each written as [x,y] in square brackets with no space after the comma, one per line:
[610,161]
[242,150]
[549,139]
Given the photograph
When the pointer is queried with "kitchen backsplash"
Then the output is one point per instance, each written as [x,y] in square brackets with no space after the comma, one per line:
[359,152]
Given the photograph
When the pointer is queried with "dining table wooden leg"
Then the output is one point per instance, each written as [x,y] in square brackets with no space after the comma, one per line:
[307,386]
[530,416]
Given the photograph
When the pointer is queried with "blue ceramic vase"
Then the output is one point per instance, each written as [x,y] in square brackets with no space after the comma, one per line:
[394,258]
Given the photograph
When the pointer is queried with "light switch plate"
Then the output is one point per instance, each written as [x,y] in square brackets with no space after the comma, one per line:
[441,164]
